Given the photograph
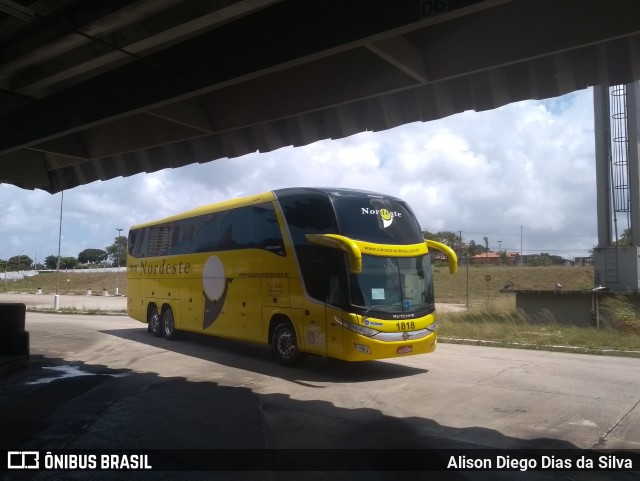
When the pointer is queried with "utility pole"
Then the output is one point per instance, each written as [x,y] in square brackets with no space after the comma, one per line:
[56,297]
[521,227]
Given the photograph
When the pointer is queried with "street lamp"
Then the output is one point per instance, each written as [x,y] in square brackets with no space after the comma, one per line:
[56,297]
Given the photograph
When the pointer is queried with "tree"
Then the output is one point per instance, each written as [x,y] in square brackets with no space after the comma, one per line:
[51,262]
[118,250]
[19,263]
[68,262]
[449,238]
[623,241]
[92,256]
[625,238]
[542,259]
[429,235]
[473,248]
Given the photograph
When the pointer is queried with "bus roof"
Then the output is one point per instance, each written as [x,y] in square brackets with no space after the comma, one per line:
[263,197]
[330,191]
[209,208]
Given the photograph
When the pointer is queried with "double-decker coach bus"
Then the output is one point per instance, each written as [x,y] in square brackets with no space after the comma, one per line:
[334,272]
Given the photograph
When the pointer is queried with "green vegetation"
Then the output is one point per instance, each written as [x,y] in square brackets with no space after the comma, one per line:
[492,317]
[114,255]
[93,311]
[453,289]
[620,315]
[69,283]
[499,326]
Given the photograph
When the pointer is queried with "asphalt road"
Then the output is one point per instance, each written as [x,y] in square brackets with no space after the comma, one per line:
[101,382]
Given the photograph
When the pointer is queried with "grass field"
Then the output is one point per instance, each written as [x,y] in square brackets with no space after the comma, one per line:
[491,318]
[449,289]
[472,280]
[69,283]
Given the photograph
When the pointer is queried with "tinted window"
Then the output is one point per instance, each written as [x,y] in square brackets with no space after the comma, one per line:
[262,230]
[308,214]
[377,219]
[251,227]
[313,214]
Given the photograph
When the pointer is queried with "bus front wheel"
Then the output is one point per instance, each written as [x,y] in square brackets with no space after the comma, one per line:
[284,344]
[168,324]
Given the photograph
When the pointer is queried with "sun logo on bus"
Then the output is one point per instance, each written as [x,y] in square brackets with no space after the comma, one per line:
[386,217]
[215,286]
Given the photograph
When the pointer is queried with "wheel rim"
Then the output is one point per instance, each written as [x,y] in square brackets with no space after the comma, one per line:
[286,344]
[168,323]
[154,321]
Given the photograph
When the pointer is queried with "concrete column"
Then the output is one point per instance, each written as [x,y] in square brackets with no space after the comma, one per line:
[633,126]
[602,129]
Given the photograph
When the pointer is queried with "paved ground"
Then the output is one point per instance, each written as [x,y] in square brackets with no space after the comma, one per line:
[101,382]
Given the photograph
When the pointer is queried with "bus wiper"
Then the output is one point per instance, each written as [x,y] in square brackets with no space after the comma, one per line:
[379,306]
[430,306]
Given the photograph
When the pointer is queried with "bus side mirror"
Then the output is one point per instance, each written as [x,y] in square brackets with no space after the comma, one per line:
[452,259]
[336,241]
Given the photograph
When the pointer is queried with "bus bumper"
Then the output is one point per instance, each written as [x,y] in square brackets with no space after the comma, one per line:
[361,348]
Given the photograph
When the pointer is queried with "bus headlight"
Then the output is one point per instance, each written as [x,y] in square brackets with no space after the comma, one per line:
[365,331]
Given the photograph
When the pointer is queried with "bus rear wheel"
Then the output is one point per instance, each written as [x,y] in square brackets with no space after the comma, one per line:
[284,344]
[155,324]
[168,324]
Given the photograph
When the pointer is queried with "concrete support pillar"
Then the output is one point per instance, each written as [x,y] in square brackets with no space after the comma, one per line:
[617,268]
[602,129]
[633,126]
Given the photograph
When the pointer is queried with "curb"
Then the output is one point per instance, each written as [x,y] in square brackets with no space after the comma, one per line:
[521,345]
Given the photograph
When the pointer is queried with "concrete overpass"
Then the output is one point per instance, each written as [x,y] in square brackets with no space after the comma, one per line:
[107,88]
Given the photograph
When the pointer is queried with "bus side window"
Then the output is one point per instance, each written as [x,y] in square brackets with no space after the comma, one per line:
[336,267]
[335,291]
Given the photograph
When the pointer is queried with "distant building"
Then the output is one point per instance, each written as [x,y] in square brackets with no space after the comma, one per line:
[583,261]
[495,258]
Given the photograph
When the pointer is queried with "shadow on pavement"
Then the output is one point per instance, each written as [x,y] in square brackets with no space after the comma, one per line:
[54,404]
[258,359]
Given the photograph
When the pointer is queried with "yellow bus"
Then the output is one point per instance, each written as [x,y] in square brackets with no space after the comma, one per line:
[335,272]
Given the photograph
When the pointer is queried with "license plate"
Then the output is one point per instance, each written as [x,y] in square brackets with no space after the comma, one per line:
[405,349]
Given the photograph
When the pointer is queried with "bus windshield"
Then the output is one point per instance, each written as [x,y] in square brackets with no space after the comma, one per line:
[392,285]
[380,220]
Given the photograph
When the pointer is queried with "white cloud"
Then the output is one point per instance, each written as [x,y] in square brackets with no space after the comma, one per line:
[528,164]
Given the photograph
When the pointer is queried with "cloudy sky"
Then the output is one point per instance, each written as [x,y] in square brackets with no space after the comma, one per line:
[527,167]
